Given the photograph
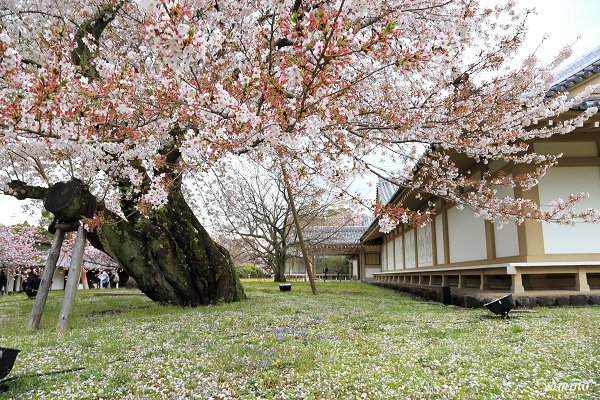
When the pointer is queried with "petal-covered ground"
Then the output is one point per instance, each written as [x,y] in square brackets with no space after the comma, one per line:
[350,341]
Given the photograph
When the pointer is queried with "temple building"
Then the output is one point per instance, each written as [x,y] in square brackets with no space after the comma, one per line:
[458,249]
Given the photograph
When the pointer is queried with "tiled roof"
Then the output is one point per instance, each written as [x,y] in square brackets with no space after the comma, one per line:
[385,191]
[587,103]
[577,72]
[334,235]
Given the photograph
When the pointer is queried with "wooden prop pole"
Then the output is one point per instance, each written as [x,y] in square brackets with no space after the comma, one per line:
[42,294]
[72,280]
[309,269]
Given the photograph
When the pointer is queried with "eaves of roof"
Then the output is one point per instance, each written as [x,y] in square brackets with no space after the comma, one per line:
[576,72]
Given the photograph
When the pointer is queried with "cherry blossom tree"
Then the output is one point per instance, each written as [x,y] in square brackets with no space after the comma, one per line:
[20,249]
[133,96]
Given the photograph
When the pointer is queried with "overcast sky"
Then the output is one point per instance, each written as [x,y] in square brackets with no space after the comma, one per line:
[564,22]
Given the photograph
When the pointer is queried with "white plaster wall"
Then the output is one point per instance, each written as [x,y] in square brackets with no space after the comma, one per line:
[425,246]
[409,249]
[11,281]
[398,249]
[439,239]
[506,239]
[390,256]
[559,182]
[466,236]
[354,268]
[568,149]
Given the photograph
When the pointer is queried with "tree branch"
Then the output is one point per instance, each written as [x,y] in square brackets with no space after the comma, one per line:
[82,55]
[22,191]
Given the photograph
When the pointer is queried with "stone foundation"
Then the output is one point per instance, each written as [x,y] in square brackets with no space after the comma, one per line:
[469,299]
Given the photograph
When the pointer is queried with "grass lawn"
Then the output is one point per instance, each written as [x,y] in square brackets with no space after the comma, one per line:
[351,341]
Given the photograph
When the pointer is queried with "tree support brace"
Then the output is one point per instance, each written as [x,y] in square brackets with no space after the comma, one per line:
[42,294]
[72,280]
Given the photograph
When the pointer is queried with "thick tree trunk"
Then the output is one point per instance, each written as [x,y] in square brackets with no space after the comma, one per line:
[279,267]
[171,256]
[279,276]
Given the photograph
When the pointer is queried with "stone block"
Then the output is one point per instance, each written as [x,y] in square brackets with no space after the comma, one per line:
[473,302]
[563,301]
[546,301]
[525,302]
[578,300]
[594,300]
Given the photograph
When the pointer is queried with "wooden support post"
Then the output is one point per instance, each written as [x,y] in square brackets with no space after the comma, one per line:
[46,282]
[517,282]
[581,282]
[461,281]
[72,280]
[445,280]
[483,281]
[309,270]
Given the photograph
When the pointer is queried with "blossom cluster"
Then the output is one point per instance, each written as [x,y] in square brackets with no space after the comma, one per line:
[20,247]
[390,216]
[334,89]
[10,59]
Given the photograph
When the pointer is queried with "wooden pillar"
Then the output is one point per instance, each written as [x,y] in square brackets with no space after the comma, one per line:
[461,281]
[434,259]
[517,282]
[581,282]
[446,236]
[444,280]
[530,232]
[483,281]
[403,247]
[490,240]
[361,265]
[72,280]
[416,246]
[46,282]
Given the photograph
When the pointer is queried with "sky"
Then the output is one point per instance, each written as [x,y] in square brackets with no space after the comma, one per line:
[564,22]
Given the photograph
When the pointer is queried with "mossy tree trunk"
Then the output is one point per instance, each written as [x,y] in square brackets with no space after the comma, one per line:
[171,256]
[279,265]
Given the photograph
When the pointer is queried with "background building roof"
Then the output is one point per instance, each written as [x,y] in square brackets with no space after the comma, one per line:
[577,72]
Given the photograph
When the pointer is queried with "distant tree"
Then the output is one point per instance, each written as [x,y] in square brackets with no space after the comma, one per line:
[240,252]
[334,265]
[249,202]
[249,271]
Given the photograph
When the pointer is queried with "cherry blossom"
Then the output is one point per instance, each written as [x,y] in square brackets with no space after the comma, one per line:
[20,246]
[327,87]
